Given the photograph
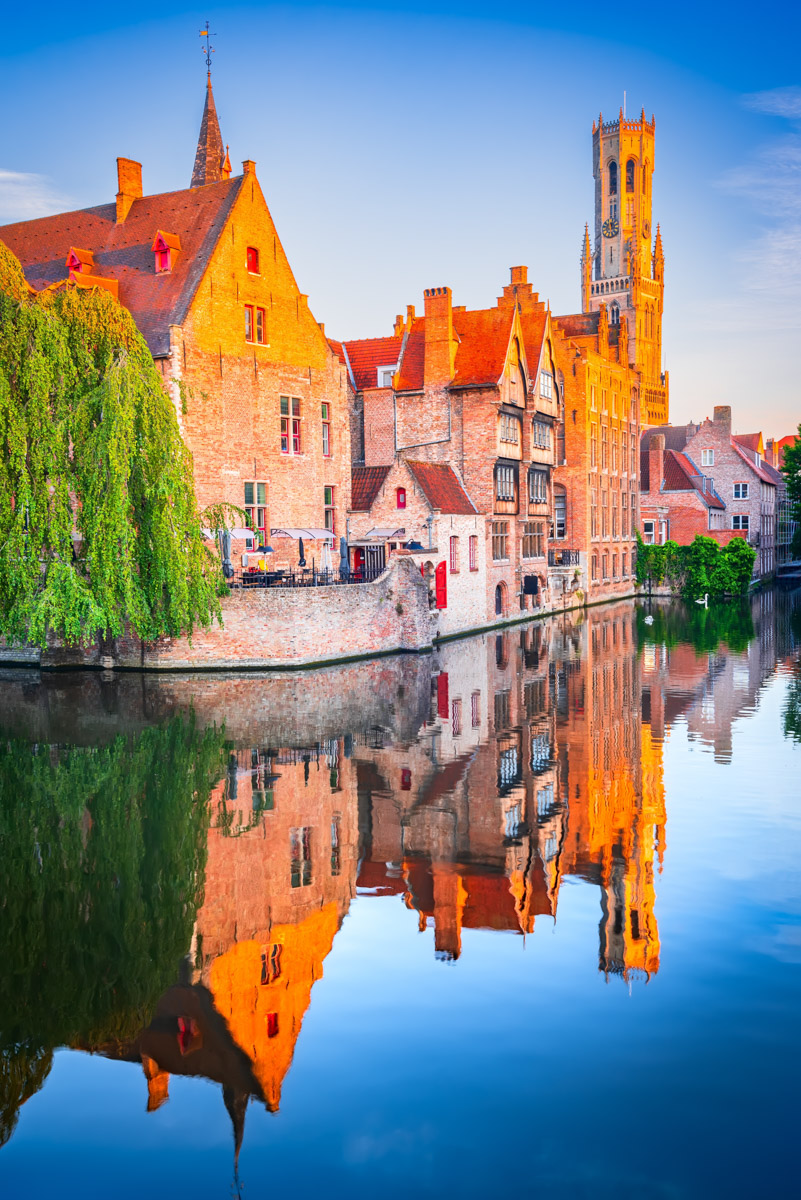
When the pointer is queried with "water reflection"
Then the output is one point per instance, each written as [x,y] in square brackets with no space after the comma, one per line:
[171,889]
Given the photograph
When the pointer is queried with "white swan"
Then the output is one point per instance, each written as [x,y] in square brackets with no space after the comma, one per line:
[705,600]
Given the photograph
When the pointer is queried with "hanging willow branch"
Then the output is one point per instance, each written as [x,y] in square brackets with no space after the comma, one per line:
[99,526]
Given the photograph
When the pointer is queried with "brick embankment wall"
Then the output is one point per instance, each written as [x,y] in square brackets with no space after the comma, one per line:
[277,627]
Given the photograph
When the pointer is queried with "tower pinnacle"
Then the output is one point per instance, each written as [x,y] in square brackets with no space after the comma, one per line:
[210,156]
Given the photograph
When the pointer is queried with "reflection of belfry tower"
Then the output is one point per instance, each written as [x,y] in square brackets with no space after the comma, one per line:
[628,930]
[626,270]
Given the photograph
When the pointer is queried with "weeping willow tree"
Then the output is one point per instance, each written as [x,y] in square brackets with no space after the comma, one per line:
[102,859]
[99,526]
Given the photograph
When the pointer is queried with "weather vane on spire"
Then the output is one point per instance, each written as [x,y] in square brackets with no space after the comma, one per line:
[209,49]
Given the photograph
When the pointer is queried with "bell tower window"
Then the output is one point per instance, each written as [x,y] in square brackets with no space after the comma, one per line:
[630,165]
[613,179]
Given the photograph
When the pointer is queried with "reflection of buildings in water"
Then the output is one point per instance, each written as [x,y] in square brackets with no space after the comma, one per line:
[476,825]
[530,764]
[280,874]
[711,684]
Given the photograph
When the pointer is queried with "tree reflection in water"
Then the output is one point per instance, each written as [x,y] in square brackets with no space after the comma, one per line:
[102,853]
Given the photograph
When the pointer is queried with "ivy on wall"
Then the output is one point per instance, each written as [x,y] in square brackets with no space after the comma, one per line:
[99,526]
[701,568]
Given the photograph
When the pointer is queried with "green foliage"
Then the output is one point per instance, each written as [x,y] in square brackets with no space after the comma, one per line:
[700,569]
[791,469]
[99,527]
[102,854]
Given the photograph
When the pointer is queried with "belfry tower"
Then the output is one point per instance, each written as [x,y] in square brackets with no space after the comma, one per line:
[626,269]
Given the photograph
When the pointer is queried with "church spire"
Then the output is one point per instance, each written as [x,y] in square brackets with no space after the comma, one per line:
[586,270]
[210,156]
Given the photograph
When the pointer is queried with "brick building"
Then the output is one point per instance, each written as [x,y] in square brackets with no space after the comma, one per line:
[677,500]
[730,466]
[474,391]
[261,398]
[599,466]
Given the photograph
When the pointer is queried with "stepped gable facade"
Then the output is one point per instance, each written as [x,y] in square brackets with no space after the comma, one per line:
[261,398]
[473,392]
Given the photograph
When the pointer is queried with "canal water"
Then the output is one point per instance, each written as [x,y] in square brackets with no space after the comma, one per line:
[523,915]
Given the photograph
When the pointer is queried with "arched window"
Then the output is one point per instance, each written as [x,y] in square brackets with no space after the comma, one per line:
[614,313]
[500,600]
[630,165]
[613,179]
[400,497]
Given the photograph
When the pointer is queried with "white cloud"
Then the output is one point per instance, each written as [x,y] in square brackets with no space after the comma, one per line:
[778,102]
[24,197]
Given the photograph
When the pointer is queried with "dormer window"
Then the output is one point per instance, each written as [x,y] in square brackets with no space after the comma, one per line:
[80,262]
[253,260]
[384,375]
[166,247]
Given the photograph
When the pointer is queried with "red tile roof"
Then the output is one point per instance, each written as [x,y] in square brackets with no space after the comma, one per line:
[750,441]
[410,376]
[534,325]
[679,474]
[338,350]
[365,485]
[123,252]
[441,488]
[482,337]
[579,324]
[368,354]
[759,471]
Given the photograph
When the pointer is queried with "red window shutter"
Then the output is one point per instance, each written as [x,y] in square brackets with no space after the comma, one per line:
[441,585]
[442,695]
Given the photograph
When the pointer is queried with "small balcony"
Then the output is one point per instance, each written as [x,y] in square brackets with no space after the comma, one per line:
[563,558]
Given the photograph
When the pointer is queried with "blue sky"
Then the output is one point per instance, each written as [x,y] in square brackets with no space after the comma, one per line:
[407,145]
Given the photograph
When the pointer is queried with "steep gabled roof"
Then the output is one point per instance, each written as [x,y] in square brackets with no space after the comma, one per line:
[533,325]
[123,251]
[750,441]
[368,354]
[410,375]
[441,488]
[759,469]
[679,474]
[676,436]
[482,337]
[365,485]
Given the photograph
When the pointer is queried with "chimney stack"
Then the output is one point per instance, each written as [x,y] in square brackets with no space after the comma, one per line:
[129,186]
[722,417]
[519,275]
[656,462]
[440,343]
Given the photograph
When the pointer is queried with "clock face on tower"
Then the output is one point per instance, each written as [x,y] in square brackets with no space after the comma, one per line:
[646,228]
[610,227]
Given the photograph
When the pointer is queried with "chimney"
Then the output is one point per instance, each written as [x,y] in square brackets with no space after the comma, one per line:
[519,275]
[129,186]
[398,328]
[409,315]
[656,462]
[440,344]
[722,417]
[249,167]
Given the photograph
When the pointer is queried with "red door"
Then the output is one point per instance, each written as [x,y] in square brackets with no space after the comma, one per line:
[441,585]
[358,561]
[442,695]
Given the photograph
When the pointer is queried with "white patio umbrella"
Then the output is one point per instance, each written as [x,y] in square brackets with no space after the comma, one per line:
[325,558]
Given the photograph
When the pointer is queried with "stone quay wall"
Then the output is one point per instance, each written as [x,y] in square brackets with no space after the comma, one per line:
[276,628]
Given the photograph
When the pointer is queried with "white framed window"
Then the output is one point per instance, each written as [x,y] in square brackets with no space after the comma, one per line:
[504,483]
[537,487]
[649,532]
[541,434]
[707,458]
[546,384]
[384,375]
[510,429]
[533,539]
[454,555]
[741,491]
[740,521]
[473,552]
